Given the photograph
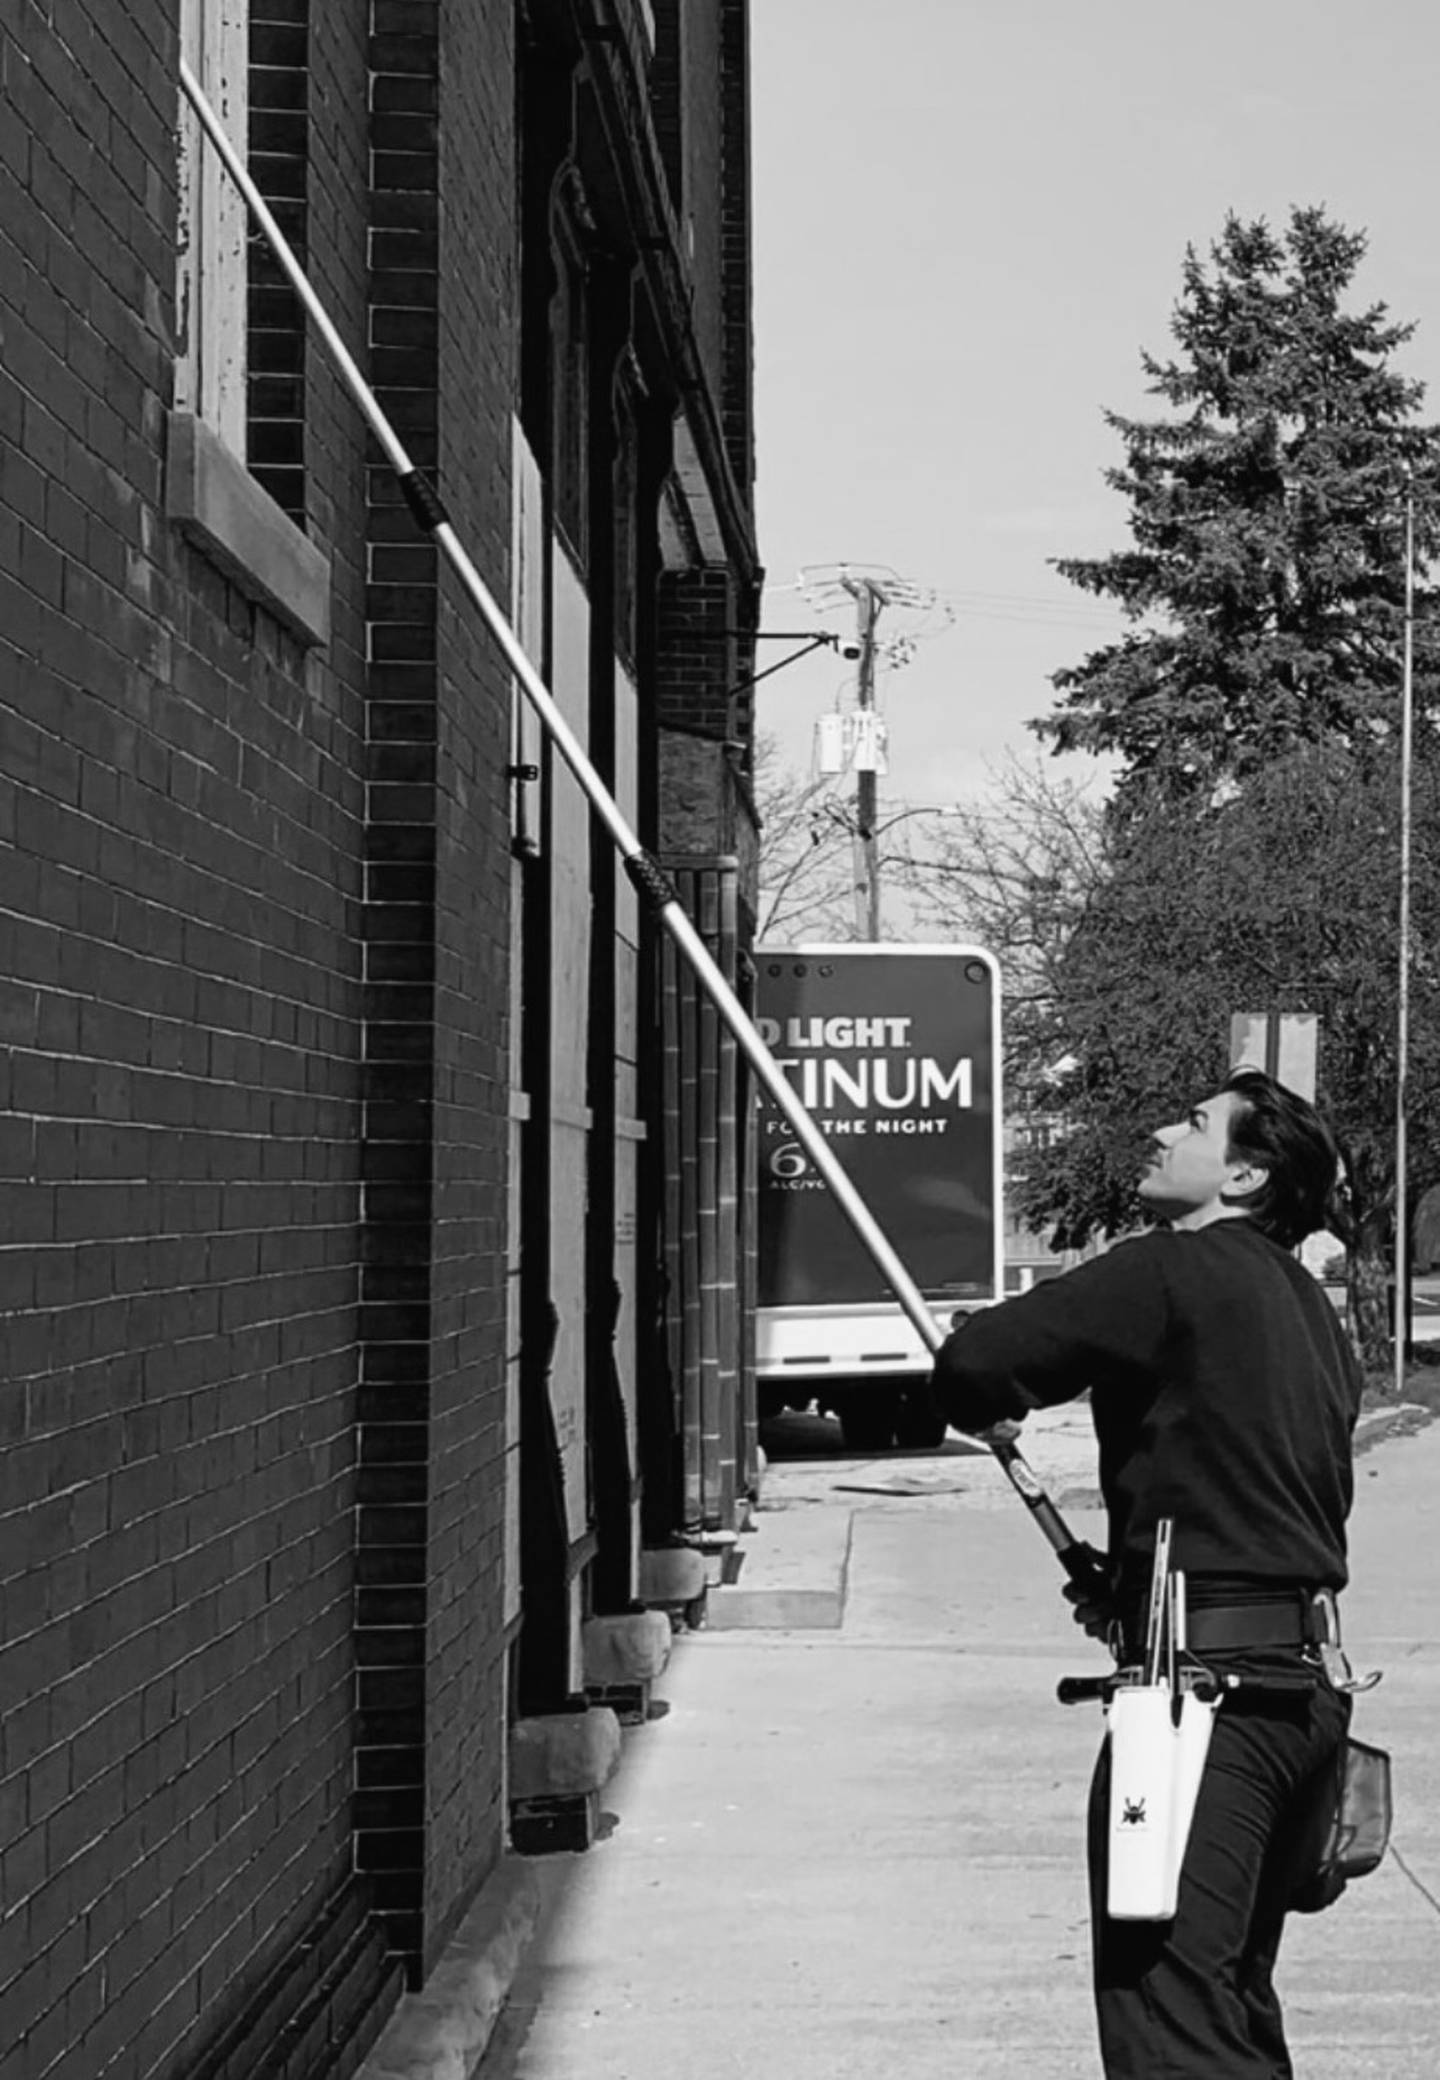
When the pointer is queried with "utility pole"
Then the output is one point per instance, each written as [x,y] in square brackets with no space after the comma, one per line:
[869,599]
[872,587]
[1401,1324]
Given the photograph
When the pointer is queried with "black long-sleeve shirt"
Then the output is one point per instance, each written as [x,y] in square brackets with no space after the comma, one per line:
[1224,1395]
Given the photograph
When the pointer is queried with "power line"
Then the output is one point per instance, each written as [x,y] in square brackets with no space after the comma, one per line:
[1019,606]
[818,583]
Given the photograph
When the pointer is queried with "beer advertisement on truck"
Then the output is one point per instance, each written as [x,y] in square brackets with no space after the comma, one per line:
[894,1051]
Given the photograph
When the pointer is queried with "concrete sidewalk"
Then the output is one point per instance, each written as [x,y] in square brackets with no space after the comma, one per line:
[794,1564]
[857,1848]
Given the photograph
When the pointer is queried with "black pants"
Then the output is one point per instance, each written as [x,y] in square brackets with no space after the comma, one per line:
[1192,1997]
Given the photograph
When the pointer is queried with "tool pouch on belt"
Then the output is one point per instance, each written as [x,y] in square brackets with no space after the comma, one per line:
[1352,1826]
[1159,1733]
[1159,1739]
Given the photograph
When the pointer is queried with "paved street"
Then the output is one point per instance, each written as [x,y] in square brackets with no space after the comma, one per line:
[856,1848]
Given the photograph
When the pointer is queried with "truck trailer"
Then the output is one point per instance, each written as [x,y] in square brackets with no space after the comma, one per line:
[894,1050]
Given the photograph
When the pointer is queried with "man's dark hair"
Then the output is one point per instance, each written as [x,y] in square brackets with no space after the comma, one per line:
[1282,1132]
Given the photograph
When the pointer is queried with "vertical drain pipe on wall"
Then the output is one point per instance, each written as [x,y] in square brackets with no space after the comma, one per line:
[701,1099]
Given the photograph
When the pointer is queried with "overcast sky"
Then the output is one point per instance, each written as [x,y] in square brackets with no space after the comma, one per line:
[970,217]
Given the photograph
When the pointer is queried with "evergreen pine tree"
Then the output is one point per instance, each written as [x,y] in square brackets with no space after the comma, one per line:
[1266,576]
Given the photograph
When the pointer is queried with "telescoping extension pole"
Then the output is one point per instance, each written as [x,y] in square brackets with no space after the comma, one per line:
[649,877]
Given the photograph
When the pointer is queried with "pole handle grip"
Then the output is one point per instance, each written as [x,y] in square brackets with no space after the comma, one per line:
[1086,1568]
[1084,1689]
[1268,1685]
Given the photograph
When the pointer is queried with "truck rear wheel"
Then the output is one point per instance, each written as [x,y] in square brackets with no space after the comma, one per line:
[867,1426]
[919,1425]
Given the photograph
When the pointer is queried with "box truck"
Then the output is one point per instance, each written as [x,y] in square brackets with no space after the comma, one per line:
[895,1052]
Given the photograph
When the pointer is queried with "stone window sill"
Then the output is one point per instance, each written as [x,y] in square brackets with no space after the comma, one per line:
[215,501]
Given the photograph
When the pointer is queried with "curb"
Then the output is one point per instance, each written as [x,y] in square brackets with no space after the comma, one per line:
[441,2032]
[1403,1420]
[806,1589]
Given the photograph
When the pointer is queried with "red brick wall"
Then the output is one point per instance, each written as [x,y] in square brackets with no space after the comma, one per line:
[700,107]
[697,656]
[392,1598]
[181,805]
[466,1673]
[433,1406]
[737,384]
[701,129]
[253,1066]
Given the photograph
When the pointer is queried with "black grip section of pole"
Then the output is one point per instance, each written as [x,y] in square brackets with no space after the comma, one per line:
[423,500]
[651,880]
[1270,1685]
[1085,1689]
[1086,1568]
[1022,1478]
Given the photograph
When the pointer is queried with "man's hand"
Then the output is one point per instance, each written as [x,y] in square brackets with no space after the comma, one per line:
[1088,1590]
[1094,1618]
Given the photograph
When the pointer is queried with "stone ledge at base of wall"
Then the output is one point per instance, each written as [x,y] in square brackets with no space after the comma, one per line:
[672,1578]
[633,1647]
[559,1764]
[563,1754]
[622,1655]
[720,1551]
[441,2032]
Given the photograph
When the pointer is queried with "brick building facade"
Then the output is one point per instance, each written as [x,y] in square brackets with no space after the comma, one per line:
[344,1364]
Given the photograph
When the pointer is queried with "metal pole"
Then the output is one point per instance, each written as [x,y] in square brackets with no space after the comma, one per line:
[1402,1006]
[649,878]
[866,787]
[868,603]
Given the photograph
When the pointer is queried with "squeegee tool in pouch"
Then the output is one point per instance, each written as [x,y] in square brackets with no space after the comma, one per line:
[1159,1733]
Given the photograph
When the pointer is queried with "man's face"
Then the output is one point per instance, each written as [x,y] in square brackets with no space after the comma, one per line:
[1190,1172]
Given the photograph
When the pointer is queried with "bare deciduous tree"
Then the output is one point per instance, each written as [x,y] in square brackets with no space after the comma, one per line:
[806,878]
[1013,870]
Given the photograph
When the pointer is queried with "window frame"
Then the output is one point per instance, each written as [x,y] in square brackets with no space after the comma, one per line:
[570,376]
[210,493]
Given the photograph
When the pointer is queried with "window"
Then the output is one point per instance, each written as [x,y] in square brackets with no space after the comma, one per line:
[275,345]
[210,289]
[569,384]
[626,487]
[667,102]
[211,493]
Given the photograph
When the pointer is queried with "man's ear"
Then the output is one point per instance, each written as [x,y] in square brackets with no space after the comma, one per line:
[1246,1179]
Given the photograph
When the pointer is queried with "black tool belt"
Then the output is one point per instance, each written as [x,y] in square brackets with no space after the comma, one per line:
[1299,1618]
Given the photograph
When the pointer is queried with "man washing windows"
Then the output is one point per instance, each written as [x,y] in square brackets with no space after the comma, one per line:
[1224,1395]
